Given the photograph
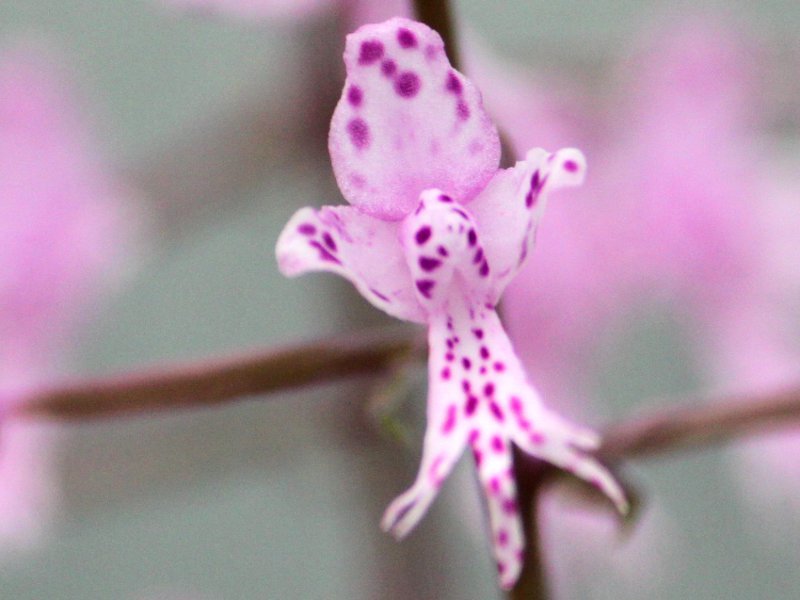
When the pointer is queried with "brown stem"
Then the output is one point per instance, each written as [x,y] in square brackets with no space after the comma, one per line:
[697,423]
[701,423]
[530,475]
[218,381]
[436,14]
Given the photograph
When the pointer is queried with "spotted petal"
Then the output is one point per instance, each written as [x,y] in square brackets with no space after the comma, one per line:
[407,122]
[509,209]
[360,248]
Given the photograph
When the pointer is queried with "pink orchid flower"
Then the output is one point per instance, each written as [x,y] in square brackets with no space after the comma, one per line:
[434,234]
[58,234]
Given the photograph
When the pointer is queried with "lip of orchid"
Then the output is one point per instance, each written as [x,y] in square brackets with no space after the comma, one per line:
[434,234]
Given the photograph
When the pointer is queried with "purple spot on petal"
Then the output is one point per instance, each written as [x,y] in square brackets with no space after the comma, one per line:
[357,180]
[307,229]
[467,363]
[429,264]
[355,95]
[379,295]
[370,52]
[326,237]
[484,271]
[571,166]
[516,404]
[388,67]
[406,38]
[484,352]
[462,110]
[324,254]
[498,414]
[423,235]
[478,456]
[403,512]
[473,436]
[497,444]
[510,506]
[478,256]
[494,485]
[471,405]
[446,373]
[537,183]
[488,389]
[453,83]
[537,437]
[472,237]
[445,198]
[465,385]
[442,251]
[407,84]
[449,357]
[502,537]
[425,287]
[450,421]
[359,133]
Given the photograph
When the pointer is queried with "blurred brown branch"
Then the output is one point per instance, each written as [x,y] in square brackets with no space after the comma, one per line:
[693,424]
[223,380]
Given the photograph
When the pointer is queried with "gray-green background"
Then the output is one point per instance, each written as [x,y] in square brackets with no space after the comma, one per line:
[281,498]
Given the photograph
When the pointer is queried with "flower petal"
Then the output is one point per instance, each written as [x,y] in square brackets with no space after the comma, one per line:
[445,437]
[494,461]
[439,240]
[364,250]
[509,209]
[407,121]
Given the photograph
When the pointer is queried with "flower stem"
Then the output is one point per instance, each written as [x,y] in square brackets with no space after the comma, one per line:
[530,475]
[223,380]
[695,423]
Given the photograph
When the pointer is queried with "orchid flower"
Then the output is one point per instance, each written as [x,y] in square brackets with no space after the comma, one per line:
[434,234]
[59,232]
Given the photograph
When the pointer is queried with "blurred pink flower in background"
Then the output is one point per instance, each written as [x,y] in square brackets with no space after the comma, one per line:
[674,211]
[60,233]
[357,12]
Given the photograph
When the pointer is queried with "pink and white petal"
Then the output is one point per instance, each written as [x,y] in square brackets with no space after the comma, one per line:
[407,122]
[364,250]
[445,435]
[439,240]
[494,461]
[509,209]
[254,9]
